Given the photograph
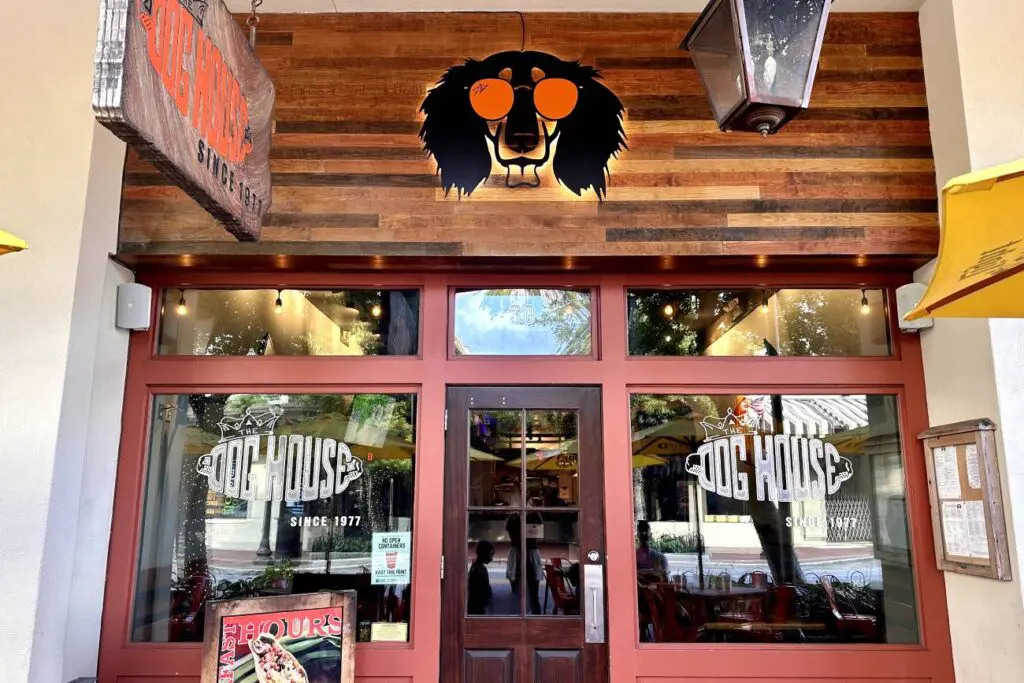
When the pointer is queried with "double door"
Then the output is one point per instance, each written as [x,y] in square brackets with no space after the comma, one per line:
[523,593]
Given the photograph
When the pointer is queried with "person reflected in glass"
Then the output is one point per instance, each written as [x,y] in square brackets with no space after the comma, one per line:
[651,565]
[479,589]
[514,569]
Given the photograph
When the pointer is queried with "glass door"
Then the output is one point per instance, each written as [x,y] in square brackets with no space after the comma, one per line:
[523,587]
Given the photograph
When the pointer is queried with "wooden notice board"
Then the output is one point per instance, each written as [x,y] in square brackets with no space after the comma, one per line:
[966,499]
[295,638]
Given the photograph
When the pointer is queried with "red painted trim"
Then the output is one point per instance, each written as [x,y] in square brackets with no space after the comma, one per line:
[429,374]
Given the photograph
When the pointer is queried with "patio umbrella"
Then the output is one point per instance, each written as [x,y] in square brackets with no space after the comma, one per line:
[10,244]
[980,271]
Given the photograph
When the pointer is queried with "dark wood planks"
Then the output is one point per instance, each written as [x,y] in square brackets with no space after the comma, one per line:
[853,176]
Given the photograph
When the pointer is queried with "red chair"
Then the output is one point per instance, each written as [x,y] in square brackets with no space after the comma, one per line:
[669,621]
[849,625]
[563,598]
[188,611]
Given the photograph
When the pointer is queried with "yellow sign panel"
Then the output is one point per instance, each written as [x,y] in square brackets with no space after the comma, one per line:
[9,243]
[980,272]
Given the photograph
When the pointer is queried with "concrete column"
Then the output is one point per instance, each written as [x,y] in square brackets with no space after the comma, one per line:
[975,368]
[62,362]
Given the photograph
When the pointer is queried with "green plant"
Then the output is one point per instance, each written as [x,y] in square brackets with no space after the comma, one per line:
[689,542]
[254,586]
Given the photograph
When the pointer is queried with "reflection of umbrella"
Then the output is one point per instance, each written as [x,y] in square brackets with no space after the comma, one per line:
[643,460]
[661,447]
[479,456]
[850,442]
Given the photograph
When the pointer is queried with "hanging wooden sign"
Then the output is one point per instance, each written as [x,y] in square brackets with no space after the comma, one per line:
[178,81]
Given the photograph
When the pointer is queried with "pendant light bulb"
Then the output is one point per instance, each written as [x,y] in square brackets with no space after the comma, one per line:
[375,311]
[182,306]
[865,307]
[669,311]
[279,304]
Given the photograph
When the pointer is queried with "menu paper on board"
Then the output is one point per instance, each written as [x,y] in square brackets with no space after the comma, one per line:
[296,646]
[955,530]
[977,528]
[973,467]
[390,561]
[947,473]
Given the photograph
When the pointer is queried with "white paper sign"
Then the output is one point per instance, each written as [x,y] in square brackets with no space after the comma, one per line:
[955,530]
[391,558]
[976,527]
[947,473]
[973,467]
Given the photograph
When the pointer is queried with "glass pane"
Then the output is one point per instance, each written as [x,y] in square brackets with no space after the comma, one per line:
[494,543]
[523,322]
[554,536]
[496,458]
[758,322]
[289,322]
[715,55]
[552,459]
[771,519]
[782,38]
[251,494]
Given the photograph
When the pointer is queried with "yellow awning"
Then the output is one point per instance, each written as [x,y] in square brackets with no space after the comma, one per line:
[9,243]
[980,272]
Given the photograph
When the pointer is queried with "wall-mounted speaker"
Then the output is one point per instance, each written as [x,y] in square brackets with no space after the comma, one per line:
[134,307]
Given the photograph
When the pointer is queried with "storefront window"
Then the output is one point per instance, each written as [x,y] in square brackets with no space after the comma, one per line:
[265,494]
[763,519]
[289,322]
[758,322]
[523,322]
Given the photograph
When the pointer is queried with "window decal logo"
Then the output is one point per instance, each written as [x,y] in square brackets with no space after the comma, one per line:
[521,110]
[785,468]
[297,468]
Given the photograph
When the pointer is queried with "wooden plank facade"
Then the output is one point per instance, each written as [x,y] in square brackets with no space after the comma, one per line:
[852,176]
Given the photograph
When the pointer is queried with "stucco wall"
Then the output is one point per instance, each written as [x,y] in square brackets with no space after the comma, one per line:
[975,368]
[61,362]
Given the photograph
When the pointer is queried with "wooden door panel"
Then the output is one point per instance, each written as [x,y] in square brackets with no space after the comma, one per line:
[557,666]
[555,633]
[488,666]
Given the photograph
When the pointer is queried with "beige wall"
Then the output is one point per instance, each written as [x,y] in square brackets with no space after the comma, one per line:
[976,103]
[61,361]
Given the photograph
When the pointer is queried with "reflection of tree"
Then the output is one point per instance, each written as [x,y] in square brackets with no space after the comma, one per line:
[819,323]
[805,322]
[564,312]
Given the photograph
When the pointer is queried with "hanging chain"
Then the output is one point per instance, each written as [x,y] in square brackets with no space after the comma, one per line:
[252,22]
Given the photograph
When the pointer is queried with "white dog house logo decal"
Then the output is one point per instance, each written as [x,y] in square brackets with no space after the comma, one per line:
[296,468]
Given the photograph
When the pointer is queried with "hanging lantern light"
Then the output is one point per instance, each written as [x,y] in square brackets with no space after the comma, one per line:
[757,59]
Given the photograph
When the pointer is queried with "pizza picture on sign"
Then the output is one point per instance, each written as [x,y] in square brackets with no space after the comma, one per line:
[302,646]
[273,663]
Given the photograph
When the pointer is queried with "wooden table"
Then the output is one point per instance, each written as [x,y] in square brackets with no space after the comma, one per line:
[722,593]
[706,602]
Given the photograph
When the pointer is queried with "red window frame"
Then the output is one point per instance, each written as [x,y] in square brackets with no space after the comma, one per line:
[618,375]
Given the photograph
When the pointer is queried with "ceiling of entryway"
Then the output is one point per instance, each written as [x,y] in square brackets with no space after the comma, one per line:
[537,5]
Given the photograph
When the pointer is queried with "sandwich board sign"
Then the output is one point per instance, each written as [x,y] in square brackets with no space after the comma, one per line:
[178,81]
[283,639]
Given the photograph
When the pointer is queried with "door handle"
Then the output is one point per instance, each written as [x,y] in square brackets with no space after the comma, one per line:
[593,607]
